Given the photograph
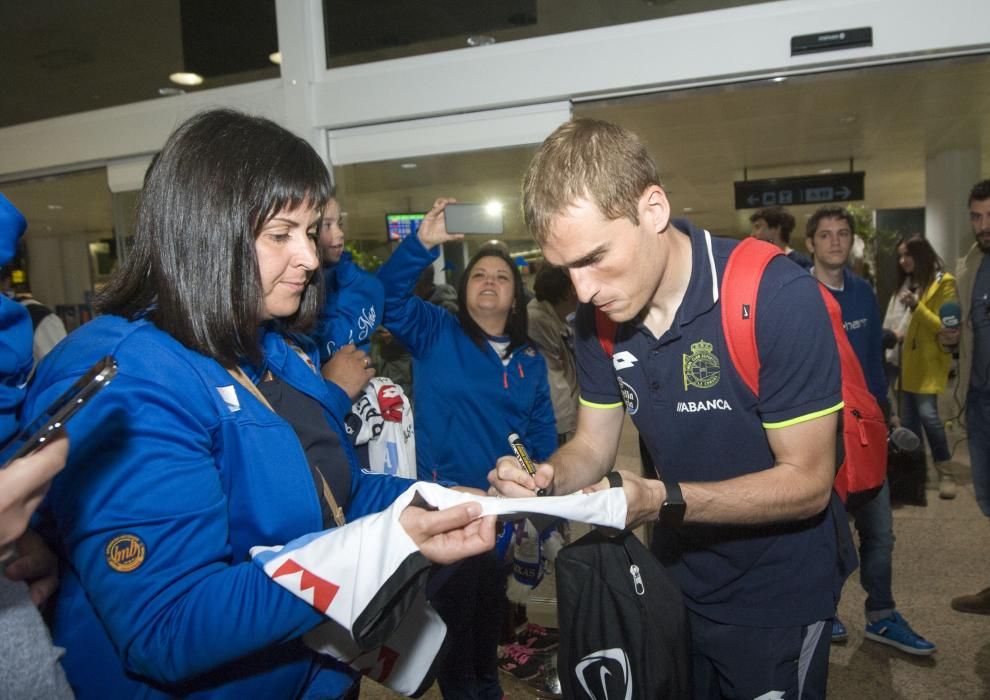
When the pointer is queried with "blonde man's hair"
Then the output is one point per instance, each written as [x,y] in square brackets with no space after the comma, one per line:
[586,159]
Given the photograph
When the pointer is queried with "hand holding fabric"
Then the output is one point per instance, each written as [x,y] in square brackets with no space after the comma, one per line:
[448,535]
[350,369]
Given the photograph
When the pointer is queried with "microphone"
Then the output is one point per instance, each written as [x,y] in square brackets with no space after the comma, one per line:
[904,440]
[949,312]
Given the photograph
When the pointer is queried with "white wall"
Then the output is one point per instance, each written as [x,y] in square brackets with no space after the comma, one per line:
[734,44]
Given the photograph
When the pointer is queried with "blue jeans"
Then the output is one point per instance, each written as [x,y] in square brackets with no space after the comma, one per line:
[919,410]
[875,526]
[978,426]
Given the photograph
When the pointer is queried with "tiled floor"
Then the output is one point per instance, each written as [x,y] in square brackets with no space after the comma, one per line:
[942,550]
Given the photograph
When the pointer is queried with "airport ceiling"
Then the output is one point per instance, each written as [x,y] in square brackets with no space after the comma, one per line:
[885,121]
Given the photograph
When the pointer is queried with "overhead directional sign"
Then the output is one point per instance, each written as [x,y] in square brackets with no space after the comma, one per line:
[805,189]
[830,41]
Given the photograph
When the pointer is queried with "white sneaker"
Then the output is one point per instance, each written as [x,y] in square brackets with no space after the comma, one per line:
[947,487]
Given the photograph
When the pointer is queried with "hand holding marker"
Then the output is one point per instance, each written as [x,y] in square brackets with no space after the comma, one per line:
[523,458]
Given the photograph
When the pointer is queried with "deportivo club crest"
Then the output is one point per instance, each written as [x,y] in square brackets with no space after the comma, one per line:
[701,366]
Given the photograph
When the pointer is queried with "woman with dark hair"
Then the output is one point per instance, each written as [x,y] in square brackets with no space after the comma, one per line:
[477,379]
[217,435]
[898,314]
[924,362]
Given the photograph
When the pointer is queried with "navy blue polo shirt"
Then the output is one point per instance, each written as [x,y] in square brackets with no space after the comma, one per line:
[701,423]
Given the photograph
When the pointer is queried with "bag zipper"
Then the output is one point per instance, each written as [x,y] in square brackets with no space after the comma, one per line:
[637,580]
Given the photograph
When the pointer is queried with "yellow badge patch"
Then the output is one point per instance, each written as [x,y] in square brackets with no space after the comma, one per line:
[701,368]
[125,553]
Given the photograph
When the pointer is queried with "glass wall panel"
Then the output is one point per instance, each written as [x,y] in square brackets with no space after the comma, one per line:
[362,32]
[369,192]
[66,57]
[884,121]
[69,247]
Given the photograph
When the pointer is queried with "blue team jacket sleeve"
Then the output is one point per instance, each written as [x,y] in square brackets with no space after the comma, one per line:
[352,310]
[417,323]
[15,362]
[372,492]
[179,604]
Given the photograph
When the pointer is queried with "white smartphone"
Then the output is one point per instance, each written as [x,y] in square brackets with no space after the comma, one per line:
[472,219]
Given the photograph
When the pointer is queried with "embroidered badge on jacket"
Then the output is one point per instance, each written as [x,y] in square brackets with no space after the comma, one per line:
[125,553]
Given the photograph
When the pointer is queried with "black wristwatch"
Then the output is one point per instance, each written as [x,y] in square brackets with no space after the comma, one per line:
[673,508]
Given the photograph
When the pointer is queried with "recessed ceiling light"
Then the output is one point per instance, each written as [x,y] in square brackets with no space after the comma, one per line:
[275,58]
[169,91]
[55,207]
[480,40]
[778,79]
[847,119]
[493,208]
[186,78]
[688,210]
[408,166]
[824,171]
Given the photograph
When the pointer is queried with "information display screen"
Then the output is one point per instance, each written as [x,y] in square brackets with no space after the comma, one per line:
[402,225]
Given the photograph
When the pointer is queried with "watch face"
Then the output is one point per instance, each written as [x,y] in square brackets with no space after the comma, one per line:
[672,513]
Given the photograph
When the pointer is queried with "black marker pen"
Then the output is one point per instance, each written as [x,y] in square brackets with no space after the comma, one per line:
[523,458]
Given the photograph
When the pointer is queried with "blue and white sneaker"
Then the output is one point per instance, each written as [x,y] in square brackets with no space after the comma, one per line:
[896,632]
[839,631]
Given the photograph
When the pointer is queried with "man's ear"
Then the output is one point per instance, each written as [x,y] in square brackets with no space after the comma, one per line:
[810,245]
[654,208]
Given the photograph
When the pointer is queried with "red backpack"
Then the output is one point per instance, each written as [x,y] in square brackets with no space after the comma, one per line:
[864,430]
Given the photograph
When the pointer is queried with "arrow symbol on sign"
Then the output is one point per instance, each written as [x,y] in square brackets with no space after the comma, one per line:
[753,199]
[843,192]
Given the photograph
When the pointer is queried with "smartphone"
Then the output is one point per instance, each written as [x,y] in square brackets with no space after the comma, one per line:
[473,218]
[47,425]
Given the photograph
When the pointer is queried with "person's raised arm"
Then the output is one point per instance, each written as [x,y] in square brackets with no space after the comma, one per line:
[413,321]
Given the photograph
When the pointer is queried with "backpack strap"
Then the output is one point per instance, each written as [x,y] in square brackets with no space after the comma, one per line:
[738,291]
[38,312]
[606,329]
